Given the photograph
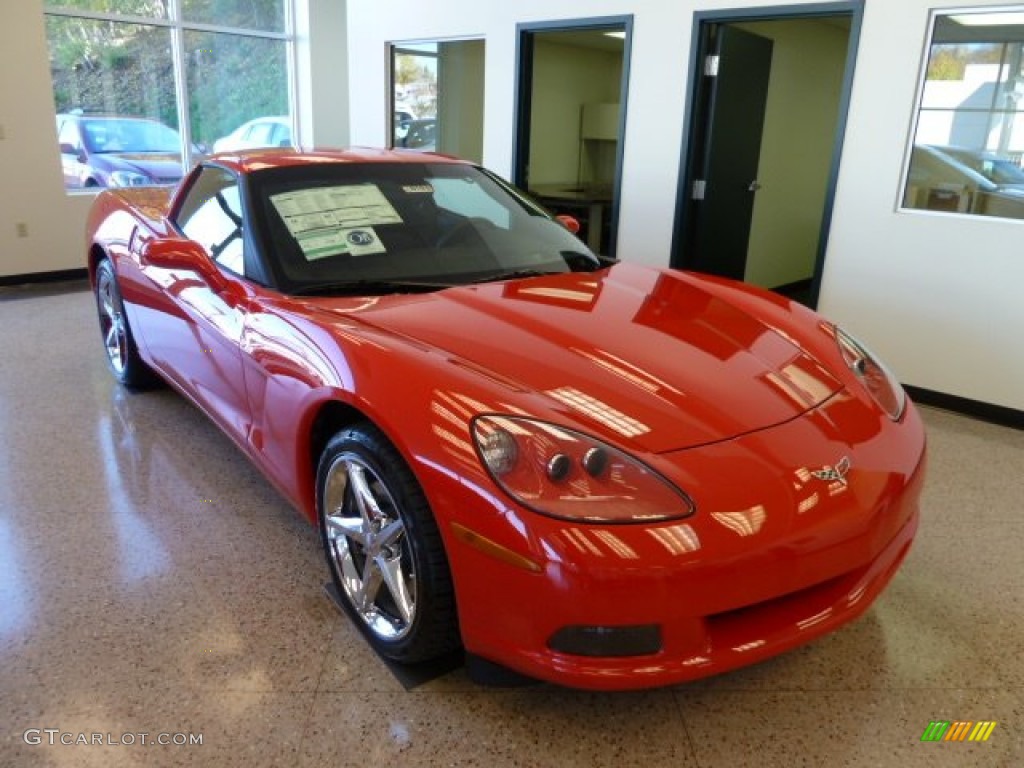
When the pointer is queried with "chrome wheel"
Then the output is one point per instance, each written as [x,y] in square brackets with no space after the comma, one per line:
[368,547]
[112,325]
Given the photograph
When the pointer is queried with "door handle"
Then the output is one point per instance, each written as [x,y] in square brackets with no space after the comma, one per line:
[754,186]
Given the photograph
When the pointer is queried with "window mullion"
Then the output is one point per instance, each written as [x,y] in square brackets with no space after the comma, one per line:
[291,56]
[181,84]
[120,18]
[220,29]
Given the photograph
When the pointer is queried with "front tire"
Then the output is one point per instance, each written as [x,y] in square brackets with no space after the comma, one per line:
[383,547]
[123,358]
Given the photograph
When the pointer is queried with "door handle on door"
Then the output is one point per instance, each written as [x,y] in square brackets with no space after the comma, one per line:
[754,186]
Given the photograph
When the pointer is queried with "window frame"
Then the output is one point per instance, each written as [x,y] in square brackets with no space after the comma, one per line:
[408,48]
[918,109]
[178,27]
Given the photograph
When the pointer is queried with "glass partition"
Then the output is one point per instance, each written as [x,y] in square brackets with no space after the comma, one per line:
[437,97]
[969,134]
[144,88]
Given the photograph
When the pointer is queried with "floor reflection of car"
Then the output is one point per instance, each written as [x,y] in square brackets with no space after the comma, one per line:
[117,151]
[421,135]
[939,181]
[258,133]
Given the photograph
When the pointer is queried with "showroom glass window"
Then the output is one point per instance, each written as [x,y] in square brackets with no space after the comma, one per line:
[967,155]
[142,89]
[437,97]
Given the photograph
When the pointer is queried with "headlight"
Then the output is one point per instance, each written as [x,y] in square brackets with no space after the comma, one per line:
[566,474]
[873,374]
[129,179]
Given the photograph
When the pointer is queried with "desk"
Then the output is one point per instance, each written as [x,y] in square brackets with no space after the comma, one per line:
[593,198]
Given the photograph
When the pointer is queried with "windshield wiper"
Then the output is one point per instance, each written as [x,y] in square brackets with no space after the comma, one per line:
[513,274]
[368,287]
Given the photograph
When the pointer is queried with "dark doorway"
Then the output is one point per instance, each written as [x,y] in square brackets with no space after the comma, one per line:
[570,120]
[732,148]
[767,108]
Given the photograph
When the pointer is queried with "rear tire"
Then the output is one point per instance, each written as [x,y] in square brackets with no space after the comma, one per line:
[383,547]
[123,358]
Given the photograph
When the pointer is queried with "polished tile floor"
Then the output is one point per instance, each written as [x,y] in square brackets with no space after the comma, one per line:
[152,582]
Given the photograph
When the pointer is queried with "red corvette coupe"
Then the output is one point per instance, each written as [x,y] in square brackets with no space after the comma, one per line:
[593,473]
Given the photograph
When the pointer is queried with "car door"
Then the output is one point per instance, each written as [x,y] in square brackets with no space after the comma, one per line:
[70,143]
[196,337]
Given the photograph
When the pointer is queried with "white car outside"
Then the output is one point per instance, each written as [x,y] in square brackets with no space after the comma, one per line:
[273,131]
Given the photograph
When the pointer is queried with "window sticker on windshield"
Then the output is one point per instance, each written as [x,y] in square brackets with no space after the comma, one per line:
[418,189]
[332,220]
[357,241]
[355,205]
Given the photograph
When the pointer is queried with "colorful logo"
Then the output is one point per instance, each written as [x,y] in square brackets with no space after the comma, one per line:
[360,237]
[958,730]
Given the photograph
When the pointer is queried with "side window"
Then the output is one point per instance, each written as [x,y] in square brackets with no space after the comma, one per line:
[261,134]
[211,215]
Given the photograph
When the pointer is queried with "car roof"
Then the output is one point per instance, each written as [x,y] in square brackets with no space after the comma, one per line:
[261,159]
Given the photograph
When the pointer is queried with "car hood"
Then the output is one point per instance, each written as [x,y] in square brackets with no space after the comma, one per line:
[644,356]
[157,165]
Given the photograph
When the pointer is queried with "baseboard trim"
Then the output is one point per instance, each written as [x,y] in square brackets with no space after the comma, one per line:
[995,414]
[59,276]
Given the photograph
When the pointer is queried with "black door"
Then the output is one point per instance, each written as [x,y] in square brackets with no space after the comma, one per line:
[725,176]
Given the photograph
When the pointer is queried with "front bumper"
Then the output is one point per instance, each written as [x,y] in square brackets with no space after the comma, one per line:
[773,558]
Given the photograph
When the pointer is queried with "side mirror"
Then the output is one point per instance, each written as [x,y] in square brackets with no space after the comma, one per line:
[67,149]
[179,253]
[569,222]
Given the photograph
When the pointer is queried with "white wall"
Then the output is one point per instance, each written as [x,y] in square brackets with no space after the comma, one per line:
[322,72]
[938,297]
[31,187]
[461,99]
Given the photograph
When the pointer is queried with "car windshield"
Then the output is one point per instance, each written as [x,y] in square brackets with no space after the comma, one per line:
[129,135]
[382,227]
